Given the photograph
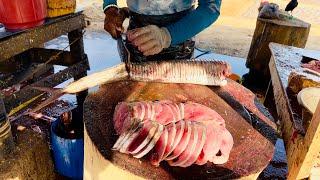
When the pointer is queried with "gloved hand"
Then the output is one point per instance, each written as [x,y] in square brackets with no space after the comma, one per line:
[114,19]
[150,39]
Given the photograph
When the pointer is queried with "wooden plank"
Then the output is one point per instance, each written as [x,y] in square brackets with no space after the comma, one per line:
[251,152]
[20,42]
[297,140]
[306,152]
[286,59]
[288,125]
[285,115]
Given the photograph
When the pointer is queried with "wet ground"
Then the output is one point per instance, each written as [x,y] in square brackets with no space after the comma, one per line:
[102,53]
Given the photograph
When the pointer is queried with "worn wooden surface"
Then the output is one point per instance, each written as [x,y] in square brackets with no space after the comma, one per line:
[12,44]
[296,136]
[307,151]
[53,80]
[252,151]
[284,31]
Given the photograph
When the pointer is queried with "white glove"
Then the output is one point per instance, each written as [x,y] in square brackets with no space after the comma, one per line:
[150,39]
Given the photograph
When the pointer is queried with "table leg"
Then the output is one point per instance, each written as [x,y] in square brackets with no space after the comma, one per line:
[78,54]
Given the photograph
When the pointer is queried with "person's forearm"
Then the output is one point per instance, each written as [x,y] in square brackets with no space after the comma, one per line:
[108,2]
[203,16]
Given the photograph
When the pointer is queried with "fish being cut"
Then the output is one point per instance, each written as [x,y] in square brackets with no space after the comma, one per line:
[182,71]
[143,138]
[172,132]
[193,156]
[151,144]
[213,73]
[164,112]
[145,133]
[212,144]
[159,149]
[198,112]
[183,143]
[181,134]
[190,148]
[225,148]
[180,128]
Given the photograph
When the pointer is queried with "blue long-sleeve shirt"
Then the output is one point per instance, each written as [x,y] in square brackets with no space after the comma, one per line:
[193,23]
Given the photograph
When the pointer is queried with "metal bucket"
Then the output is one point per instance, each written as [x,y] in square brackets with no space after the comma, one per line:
[67,153]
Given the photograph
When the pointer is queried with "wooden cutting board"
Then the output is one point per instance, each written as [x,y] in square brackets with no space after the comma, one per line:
[251,152]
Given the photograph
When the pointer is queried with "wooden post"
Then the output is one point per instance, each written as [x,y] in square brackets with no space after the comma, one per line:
[293,32]
[305,153]
[77,54]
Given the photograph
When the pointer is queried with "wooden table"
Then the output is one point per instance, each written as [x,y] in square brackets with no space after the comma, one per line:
[31,158]
[29,42]
[298,140]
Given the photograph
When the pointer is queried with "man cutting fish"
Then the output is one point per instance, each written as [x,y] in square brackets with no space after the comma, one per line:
[160,29]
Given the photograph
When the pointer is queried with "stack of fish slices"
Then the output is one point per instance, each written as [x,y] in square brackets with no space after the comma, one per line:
[181,134]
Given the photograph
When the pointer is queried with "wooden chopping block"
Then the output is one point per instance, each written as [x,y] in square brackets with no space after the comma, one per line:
[293,32]
[251,153]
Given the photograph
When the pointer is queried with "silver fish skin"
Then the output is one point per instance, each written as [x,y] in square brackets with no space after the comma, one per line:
[202,72]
